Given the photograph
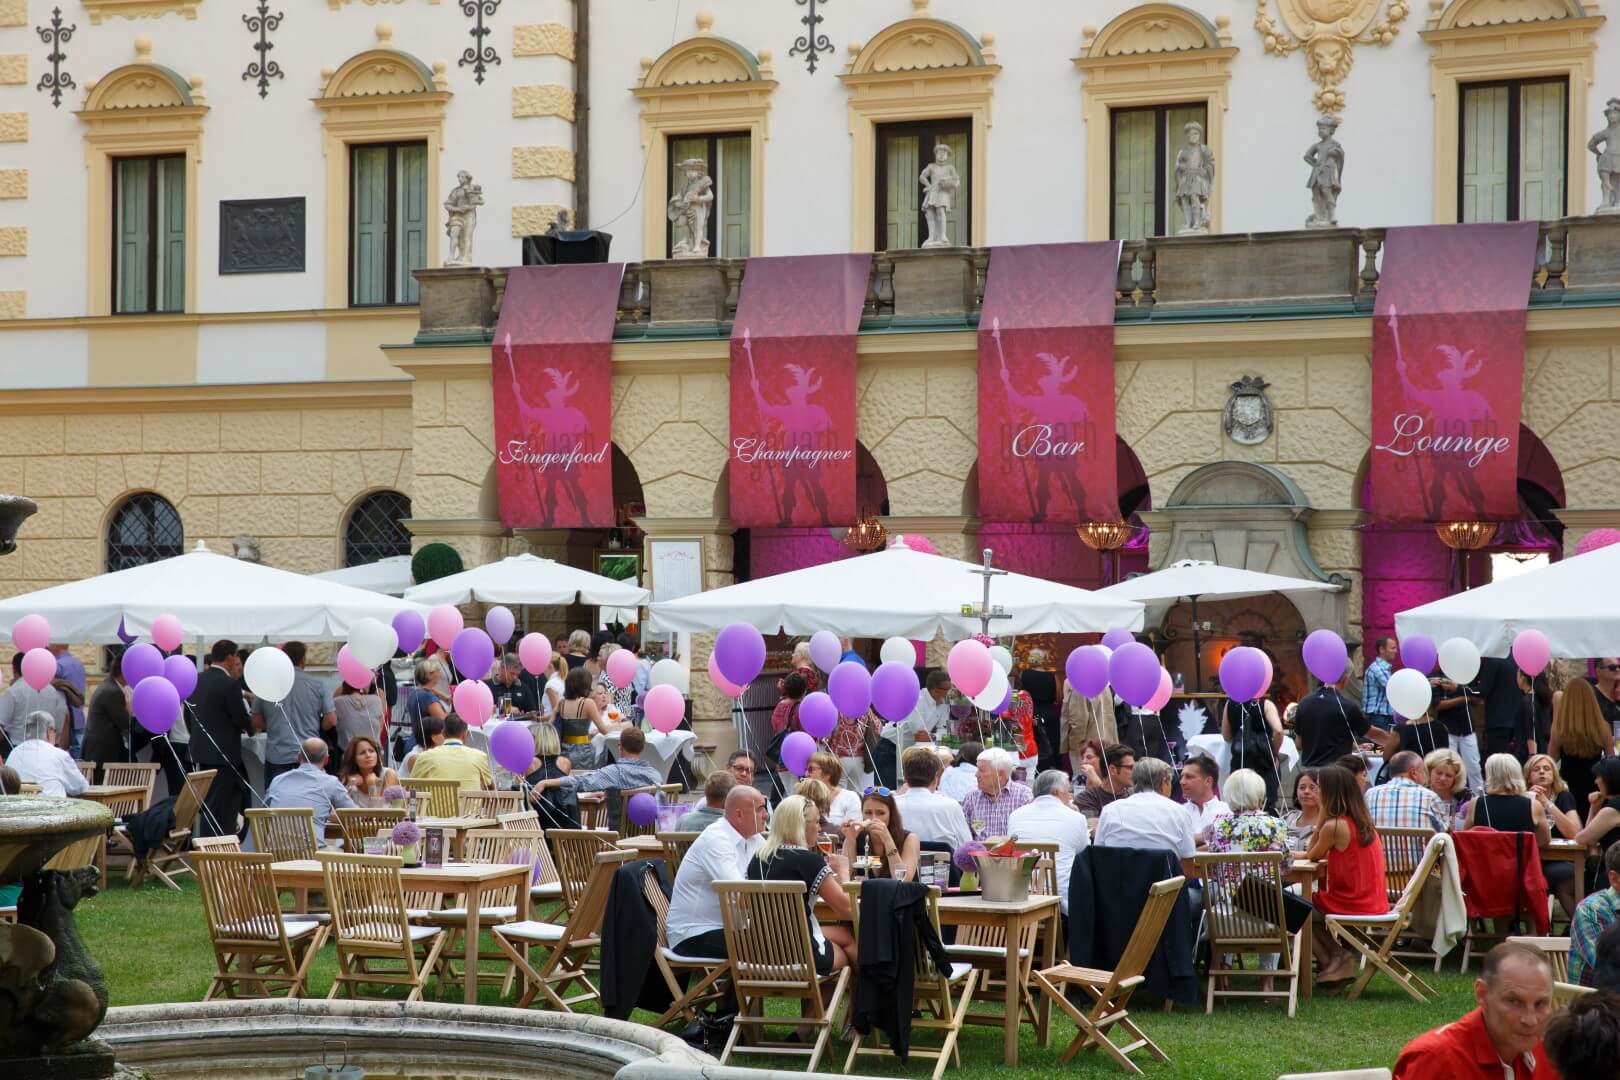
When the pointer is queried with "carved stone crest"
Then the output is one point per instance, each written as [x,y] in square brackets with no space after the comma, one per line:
[1327,31]
[1247,417]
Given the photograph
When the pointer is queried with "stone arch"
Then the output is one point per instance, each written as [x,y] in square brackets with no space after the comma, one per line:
[918,44]
[142,85]
[1464,14]
[1156,28]
[705,60]
[382,72]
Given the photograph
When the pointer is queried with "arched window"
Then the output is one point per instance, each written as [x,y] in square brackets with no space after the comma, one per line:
[375,530]
[144,529]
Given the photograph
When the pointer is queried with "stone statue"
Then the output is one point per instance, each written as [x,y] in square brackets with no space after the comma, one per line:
[940,181]
[689,211]
[462,221]
[559,224]
[52,991]
[1195,179]
[246,548]
[1326,159]
[1608,158]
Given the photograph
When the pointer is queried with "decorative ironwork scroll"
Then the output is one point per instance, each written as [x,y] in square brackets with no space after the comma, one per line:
[479,55]
[263,69]
[56,35]
[812,41]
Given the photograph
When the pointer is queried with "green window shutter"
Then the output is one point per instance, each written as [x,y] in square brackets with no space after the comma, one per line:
[1176,119]
[1484,154]
[411,198]
[682,148]
[1542,134]
[368,274]
[171,233]
[901,197]
[961,158]
[132,227]
[1135,173]
[734,186]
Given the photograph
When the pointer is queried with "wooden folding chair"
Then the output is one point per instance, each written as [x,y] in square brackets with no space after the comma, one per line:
[1243,911]
[167,860]
[287,832]
[87,769]
[675,848]
[575,852]
[545,889]
[435,798]
[1403,854]
[1111,990]
[256,947]
[593,809]
[624,795]
[133,774]
[30,789]
[519,819]
[214,845]
[567,946]
[768,941]
[1565,994]
[1555,949]
[498,906]
[1374,936]
[711,969]
[376,944]
[930,987]
[985,947]
[362,823]
[488,804]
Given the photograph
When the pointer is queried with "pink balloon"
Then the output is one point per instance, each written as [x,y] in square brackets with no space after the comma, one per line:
[167,632]
[665,708]
[353,671]
[535,653]
[969,665]
[31,632]
[1531,651]
[1265,658]
[38,668]
[721,683]
[444,623]
[1161,696]
[472,701]
[621,668]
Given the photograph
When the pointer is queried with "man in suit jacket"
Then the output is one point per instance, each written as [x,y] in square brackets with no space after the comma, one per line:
[221,721]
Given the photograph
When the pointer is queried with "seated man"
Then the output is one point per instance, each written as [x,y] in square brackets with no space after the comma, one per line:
[1121,760]
[715,790]
[988,806]
[1594,915]
[1198,779]
[454,760]
[720,854]
[1052,818]
[626,773]
[37,760]
[1406,802]
[1149,818]
[932,816]
[1499,1039]
[959,779]
[310,785]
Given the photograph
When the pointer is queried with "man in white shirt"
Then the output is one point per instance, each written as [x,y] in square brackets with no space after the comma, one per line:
[1198,779]
[720,853]
[1052,818]
[37,760]
[959,779]
[933,817]
[931,717]
[1149,818]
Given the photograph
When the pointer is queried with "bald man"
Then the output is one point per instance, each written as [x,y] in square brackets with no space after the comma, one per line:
[721,853]
[309,785]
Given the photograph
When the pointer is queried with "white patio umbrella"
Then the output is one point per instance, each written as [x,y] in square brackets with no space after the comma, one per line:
[1575,602]
[214,596]
[391,575]
[897,592]
[1197,579]
[529,579]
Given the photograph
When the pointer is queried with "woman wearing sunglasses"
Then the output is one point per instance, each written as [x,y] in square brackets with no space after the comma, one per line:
[880,833]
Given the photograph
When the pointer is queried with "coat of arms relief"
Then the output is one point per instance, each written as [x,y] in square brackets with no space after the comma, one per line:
[1327,32]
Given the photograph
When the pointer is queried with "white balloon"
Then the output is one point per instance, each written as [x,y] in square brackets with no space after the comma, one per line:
[993,691]
[372,642]
[669,672]
[1003,660]
[269,674]
[1409,693]
[1459,660]
[898,650]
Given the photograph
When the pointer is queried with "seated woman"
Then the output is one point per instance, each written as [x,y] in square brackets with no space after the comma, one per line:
[1302,821]
[790,854]
[1348,843]
[432,733]
[363,774]
[881,833]
[846,805]
[1603,816]
[817,792]
[1505,807]
[558,808]
[1548,789]
[1447,779]
[1249,828]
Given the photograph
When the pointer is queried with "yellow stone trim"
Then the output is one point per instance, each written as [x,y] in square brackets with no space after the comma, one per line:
[14,240]
[543,39]
[13,304]
[534,218]
[13,12]
[13,183]
[334,5]
[13,69]
[543,100]
[13,127]
[101,10]
[542,162]
[375,394]
[323,315]
[1525,42]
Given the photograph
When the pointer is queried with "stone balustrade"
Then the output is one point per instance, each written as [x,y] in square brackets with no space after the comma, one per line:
[1317,272]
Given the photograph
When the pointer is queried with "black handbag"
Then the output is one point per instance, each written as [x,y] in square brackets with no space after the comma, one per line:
[1253,897]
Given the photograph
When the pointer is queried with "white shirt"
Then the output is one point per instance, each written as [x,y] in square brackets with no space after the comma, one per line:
[720,853]
[1203,818]
[933,817]
[846,806]
[1146,820]
[956,781]
[929,716]
[547,709]
[1048,820]
[38,762]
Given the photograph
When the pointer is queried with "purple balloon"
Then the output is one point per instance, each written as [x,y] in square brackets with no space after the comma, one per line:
[1118,636]
[500,624]
[182,674]
[1006,700]
[155,704]
[1087,670]
[1419,652]
[1243,673]
[141,662]
[411,630]
[895,690]
[473,653]
[642,808]
[850,687]
[739,653]
[818,715]
[1134,671]
[1325,655]
[512,747]
[796,751]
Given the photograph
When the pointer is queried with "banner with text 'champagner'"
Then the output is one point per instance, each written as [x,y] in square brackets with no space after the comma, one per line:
[793,391]
[1046,384]
[553,391]
[1448,371]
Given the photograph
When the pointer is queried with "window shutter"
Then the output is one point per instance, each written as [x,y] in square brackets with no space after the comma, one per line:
[133,229]
[734,188]
[1135,171]
[903,195]
[1542,132]
[411,199]
[1485,154]
[369,225]
[171,176]
[961,157]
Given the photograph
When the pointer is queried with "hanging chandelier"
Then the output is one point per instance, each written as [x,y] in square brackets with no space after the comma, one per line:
[1104,535]
[865,535]
[1465,535]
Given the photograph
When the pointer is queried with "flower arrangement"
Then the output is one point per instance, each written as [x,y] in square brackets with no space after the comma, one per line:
[966,856]
[406,834]
[393,793]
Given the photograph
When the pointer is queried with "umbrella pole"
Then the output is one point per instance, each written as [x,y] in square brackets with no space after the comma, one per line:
[1198,649]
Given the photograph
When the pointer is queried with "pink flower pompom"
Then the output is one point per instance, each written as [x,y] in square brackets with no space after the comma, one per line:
[1597,538]
[919,543]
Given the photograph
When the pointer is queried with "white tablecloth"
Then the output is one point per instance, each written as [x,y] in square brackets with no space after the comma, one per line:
[662,749]
[1221,750]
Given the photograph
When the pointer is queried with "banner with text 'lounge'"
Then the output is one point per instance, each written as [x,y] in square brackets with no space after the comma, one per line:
[1046,384]
[553,387]
[1448,371]
[792,461]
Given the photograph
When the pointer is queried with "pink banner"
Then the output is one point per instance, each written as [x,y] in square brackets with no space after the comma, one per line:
[553,391]
[1046,384]
[793,390]
[1448,371]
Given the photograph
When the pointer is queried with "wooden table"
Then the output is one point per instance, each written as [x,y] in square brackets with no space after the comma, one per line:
[643,845]
[1014,920]
[471,880]
[1571,852]
[458,828]
[107,794]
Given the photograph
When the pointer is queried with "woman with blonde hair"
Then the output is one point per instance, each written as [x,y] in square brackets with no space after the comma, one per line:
[1549,789]
[817,792]
[1580,738]
[1505,806]
[790,854]
[1447,779]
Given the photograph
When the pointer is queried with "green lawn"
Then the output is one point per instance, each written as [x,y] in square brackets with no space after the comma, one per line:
[154,948]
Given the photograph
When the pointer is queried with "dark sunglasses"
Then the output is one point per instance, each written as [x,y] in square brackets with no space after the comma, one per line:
[1611,667]
[883,791]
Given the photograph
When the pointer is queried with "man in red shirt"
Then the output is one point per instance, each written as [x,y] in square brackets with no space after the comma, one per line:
[1500,1040]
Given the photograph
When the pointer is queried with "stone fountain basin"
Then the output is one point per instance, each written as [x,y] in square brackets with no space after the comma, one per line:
[33,828]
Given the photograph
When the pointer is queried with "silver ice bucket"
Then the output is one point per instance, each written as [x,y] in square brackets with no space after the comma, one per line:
[1005,878]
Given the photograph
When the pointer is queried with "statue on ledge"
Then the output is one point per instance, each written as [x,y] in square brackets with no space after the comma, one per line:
[462,207]
[689,211]
[1326,159]
[1608,158]
[1195,179]
[940,181]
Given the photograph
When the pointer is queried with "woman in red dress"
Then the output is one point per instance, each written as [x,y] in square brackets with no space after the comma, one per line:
[1347,842]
